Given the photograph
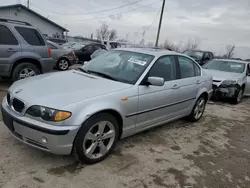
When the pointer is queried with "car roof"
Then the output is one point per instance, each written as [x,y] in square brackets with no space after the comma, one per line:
[151,51]
[233,60]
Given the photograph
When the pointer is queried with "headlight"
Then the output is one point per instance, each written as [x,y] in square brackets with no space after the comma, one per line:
[229,82]
[48,114]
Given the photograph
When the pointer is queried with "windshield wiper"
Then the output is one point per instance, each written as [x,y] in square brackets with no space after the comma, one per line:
[103,75]
[83,70]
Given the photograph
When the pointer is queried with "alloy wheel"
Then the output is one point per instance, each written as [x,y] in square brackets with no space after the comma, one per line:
[199,108]
[63,64]
[26,72]
[99,139]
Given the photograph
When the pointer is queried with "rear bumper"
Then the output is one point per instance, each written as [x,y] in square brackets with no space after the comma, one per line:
[47,64]
[53,139]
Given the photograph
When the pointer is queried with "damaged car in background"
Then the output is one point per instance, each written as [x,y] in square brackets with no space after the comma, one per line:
[231,79]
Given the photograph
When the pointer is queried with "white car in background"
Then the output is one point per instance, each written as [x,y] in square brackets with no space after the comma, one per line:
[231,78]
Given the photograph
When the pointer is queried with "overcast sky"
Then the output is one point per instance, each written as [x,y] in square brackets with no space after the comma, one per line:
[216,23]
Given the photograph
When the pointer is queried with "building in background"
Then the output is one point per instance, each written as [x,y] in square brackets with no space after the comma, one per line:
[48,28]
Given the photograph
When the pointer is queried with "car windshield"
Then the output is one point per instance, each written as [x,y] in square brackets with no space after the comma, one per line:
[122,66]
[194,54]
[226,66]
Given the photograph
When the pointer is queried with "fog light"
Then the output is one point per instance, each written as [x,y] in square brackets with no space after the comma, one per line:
[44,140]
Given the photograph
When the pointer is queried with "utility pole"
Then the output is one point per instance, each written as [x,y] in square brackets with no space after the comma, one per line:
[159,28]
[28,3]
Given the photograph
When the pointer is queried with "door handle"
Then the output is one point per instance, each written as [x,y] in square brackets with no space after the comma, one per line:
[175,86]
[10,50]
[198,82]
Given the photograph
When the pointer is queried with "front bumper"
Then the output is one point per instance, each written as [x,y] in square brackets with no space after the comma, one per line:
[54,139]
[224,92]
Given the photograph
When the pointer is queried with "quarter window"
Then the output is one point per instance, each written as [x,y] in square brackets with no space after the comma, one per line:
[165,68]
[6,37]
[187,67]
[31,36]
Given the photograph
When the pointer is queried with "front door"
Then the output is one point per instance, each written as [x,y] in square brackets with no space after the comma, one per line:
[158,103]
[85,53]
[8,47]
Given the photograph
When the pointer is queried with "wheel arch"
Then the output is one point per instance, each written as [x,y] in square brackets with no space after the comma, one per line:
[115,114]
[27,60]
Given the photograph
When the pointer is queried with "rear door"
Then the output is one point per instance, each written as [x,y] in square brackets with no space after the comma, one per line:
[9,47]
[189,82]
[34,40]
[247,89]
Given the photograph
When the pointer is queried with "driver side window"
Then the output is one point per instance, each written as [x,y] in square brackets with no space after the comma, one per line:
[165,68]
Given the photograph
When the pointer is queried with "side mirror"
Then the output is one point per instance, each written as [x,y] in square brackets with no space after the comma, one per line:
[156,81]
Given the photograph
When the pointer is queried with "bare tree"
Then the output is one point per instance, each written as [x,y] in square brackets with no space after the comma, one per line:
[105,34]
[192,44]
[229,51]
[171,46]
[150,44]
[112,34]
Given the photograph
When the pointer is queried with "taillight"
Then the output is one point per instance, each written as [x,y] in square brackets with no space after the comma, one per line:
[49,51]
[73,54]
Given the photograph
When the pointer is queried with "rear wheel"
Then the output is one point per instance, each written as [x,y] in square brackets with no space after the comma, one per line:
[63,64]
[198,109]
[24,70]
[96,138]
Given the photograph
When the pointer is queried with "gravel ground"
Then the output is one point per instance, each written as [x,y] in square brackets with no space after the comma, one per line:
[212,153]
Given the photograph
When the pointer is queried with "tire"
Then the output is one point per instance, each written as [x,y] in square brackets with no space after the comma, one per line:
[24,70]
[196,115]
[63,64]
[88,140]
[238,96]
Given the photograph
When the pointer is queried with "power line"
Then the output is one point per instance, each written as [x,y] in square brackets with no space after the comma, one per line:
[87,13]
[123,12]
[153,21]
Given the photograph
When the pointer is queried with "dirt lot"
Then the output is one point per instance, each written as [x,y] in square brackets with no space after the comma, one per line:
[213,153]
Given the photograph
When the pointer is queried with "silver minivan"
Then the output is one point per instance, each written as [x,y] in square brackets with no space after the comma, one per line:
[117,94]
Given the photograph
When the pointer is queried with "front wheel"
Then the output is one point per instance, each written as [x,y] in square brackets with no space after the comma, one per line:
[96,138]
[237,98]
[198,109]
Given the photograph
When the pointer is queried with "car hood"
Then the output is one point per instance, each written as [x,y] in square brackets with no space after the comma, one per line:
[61,89]
[221,75]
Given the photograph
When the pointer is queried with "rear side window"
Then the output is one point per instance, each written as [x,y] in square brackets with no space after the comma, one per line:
[187,67]
[6,37]
[197,70]
[31,36]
